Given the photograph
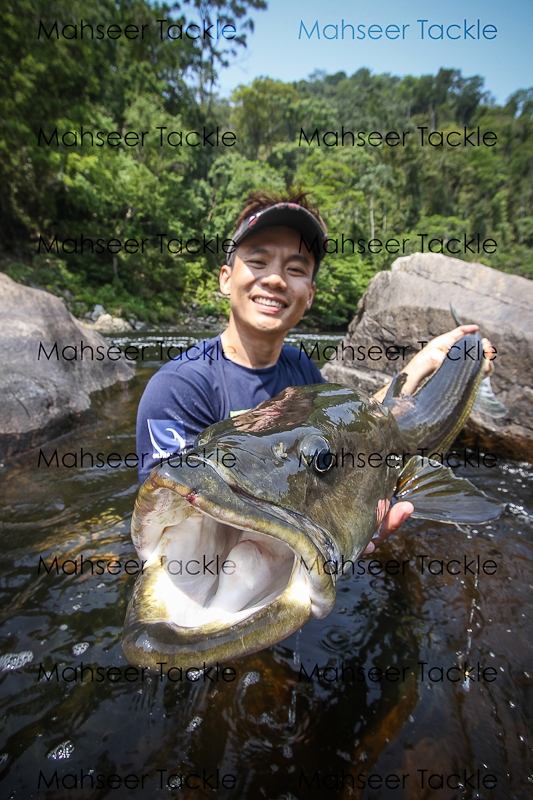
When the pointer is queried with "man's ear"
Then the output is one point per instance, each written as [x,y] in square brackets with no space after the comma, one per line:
[311,295]
[224,279]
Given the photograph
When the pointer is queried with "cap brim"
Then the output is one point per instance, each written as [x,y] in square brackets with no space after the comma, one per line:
[289,216]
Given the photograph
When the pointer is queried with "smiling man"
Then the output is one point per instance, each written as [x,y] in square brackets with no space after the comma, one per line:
[270,281]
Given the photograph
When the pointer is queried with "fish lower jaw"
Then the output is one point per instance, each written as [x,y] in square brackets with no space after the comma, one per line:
[218,635]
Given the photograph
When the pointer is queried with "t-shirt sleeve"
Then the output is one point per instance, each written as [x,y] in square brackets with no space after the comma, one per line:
[175,407]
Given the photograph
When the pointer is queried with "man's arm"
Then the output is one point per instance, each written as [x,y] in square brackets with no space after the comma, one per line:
[174,408]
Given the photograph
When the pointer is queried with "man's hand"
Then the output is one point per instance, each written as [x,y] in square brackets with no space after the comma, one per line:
[395,517]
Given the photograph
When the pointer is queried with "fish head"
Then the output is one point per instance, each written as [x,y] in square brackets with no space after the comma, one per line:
[244,535]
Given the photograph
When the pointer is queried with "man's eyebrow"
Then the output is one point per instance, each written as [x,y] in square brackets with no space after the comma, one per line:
[304,260]
[266,250]
[256,250]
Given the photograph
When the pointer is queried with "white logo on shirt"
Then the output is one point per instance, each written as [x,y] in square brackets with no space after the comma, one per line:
[164,437]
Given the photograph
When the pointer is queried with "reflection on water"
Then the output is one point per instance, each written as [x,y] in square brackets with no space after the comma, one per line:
[415,678]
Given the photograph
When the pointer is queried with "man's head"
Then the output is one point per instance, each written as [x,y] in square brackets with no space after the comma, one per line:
[265,210]
[279,242]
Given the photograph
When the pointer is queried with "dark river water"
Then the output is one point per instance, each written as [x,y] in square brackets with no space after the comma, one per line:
[417,685]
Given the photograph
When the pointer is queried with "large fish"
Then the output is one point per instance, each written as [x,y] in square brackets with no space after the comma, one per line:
[245,536]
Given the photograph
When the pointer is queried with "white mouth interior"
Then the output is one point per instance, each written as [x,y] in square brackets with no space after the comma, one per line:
[253,569]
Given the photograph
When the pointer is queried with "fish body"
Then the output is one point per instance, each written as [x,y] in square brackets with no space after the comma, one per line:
[246,534]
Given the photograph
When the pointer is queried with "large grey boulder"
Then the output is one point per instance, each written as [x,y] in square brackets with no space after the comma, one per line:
[47,379]
[411,303]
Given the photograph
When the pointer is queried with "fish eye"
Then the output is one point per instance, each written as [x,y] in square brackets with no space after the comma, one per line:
[317,453]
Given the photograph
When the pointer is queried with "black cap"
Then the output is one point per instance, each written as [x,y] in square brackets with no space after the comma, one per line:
[290,215]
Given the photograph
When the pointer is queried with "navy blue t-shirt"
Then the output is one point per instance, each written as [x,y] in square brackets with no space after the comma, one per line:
[203,386]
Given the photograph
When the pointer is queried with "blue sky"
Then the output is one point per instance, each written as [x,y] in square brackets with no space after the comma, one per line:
[274,49]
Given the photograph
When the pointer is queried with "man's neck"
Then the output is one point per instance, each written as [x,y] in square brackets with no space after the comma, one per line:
[253,349]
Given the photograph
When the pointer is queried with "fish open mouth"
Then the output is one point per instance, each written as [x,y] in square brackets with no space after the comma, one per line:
[215,574]
[225,572]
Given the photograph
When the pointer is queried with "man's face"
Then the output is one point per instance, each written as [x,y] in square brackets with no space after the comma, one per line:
[271,282]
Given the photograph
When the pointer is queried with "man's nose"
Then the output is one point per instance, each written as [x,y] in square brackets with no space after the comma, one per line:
[274,278]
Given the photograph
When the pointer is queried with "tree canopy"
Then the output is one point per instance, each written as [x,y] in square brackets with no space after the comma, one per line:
[57,193]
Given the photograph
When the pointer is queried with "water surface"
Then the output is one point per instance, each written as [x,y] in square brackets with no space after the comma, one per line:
[375,724]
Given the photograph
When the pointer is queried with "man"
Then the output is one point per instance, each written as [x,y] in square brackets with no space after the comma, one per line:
[270,281]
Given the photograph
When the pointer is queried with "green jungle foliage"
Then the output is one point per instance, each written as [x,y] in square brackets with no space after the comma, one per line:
[184,192]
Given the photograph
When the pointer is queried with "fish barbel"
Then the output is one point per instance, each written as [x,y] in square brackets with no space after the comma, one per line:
[240,533]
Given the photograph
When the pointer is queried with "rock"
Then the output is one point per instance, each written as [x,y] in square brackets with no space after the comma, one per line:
[97,311]
[42,397]
[108,324]
[412,303]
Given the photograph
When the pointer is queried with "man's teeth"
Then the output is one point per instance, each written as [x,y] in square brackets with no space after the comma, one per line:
[266,301]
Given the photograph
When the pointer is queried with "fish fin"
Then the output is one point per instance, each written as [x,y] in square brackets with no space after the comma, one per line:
[395,389]
[456,318]
[437,494]
[487,402]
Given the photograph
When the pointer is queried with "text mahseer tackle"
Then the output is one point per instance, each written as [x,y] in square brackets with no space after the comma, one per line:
[422,136]
[165,30]
[162,136]
[422,29]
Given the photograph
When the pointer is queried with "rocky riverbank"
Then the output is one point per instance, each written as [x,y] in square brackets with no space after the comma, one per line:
[52,365]
[103,322]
